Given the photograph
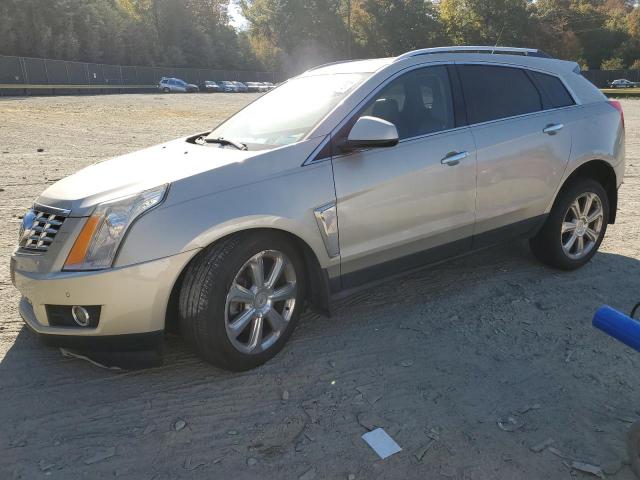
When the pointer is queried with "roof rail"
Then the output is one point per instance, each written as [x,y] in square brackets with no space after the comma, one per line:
[530,52]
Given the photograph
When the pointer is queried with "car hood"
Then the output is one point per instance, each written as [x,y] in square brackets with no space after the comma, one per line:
[168,163]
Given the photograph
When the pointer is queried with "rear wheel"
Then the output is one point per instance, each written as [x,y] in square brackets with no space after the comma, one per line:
[241,299]
[575,227]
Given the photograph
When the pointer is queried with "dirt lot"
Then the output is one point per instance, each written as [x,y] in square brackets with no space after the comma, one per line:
[436,358]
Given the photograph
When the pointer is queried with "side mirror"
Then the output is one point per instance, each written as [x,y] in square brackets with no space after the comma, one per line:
[371,132]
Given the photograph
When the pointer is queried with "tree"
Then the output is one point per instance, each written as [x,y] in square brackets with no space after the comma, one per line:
[293,35]
[296,34]
[376,24]
[612,64]
[486,22]
[550,31]
[635,65]
[194,33]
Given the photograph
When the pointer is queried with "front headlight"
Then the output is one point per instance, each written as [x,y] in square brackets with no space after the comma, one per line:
[98,241]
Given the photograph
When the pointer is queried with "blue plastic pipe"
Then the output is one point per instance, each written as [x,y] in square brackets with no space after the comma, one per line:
[618,325]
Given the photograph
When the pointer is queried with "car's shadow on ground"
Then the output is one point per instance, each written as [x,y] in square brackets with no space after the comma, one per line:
[506,264]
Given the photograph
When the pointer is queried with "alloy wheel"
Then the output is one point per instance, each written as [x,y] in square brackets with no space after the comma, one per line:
[260,302]
[582,225]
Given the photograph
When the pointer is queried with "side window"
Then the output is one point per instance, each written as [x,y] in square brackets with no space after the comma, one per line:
[417,103]
[554,89]
[492,92]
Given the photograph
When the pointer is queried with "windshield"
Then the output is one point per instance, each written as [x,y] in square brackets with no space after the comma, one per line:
[288,113]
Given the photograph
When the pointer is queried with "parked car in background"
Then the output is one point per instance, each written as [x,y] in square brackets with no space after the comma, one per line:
[623,83]
[342,176]
[228,86]
[242,88]
[210,86]
[168,85]
[269,85]
[256,87]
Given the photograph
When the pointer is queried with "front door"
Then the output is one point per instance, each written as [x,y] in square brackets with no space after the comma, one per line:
[403,206]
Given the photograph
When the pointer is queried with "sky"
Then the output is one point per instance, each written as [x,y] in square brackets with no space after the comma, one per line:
[237,20]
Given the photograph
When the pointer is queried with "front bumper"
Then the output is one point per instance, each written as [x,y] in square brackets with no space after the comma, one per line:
[133,299]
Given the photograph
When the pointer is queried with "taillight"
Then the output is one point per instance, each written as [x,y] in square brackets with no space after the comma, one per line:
[616,104]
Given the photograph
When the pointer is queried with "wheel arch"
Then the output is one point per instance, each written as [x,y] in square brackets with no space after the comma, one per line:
[604,173]
[317,280]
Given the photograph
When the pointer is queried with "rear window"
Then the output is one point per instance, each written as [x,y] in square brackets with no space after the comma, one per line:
[554,89]
[492,92]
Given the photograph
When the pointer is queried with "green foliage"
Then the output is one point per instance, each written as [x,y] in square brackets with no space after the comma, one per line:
[194,33]
[486,22]
[612,64]
[589,31]
[635,65]
[297,33]
[376,24]
[292,35]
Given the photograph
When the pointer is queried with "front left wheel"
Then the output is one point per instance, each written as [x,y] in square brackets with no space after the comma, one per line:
[241,299]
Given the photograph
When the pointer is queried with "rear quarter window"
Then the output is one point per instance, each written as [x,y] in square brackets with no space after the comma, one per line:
[557,94]
[493,92]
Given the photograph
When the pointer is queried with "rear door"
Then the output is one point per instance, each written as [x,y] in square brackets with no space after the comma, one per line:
[407,205]
[523,145]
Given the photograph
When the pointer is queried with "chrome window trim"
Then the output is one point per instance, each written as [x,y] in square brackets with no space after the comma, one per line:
[411,139]
[564,84]
[371,94]
[312,133]
[524,67]
[517,117]
[311,159]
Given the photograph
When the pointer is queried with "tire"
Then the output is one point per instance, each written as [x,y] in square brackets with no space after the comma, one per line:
[549,245]
[208,311]
[166,90]
[633,447]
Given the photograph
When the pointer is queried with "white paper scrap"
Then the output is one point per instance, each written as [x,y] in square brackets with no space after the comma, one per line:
[381,443]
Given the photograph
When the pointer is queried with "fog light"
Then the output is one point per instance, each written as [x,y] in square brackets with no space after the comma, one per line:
[80,315]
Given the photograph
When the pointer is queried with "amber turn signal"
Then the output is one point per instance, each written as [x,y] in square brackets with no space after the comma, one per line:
[81,246]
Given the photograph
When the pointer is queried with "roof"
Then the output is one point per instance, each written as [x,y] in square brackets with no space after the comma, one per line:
[527,57]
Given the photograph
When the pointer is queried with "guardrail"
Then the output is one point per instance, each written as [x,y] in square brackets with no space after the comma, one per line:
[621,92]
[24,76]
[14,86]
[603,78]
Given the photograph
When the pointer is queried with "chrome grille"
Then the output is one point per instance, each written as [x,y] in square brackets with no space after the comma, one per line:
[40,225]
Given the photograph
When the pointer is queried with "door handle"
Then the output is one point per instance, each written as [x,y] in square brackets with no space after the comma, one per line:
[552,128]
[453,158]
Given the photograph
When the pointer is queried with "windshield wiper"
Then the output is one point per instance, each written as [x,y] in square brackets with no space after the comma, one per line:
[224,141]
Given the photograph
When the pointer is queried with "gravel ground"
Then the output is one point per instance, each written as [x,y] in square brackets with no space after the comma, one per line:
[436,358]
